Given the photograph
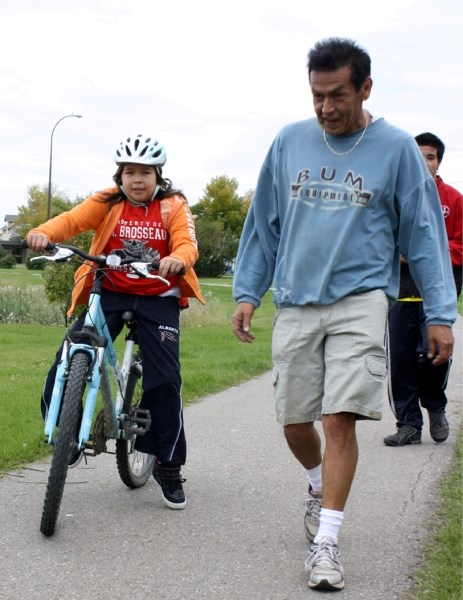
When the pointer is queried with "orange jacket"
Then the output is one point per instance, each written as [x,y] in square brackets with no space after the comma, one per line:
[94,214]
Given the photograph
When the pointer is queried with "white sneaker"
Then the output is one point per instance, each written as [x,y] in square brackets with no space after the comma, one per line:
[324,566]
[312,514]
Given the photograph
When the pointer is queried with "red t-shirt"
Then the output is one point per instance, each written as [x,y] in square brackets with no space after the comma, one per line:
[140,233]
[452,208]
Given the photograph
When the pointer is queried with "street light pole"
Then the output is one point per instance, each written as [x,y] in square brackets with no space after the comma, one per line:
[51,156]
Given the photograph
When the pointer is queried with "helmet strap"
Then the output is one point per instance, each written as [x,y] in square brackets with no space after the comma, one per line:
[135,202]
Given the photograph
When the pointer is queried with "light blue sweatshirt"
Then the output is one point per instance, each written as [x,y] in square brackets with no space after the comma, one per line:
[321,227]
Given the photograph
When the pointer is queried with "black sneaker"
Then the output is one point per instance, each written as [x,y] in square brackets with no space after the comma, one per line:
[438,426]
[76,457]
[405,435]
[169,480]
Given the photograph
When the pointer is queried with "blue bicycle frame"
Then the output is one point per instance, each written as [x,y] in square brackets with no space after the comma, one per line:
[103,358]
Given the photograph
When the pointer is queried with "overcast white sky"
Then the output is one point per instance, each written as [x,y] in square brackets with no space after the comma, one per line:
[213,81]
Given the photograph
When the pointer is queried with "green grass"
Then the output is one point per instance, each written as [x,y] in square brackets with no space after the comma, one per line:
[20,276]
[25,355]
[439,576]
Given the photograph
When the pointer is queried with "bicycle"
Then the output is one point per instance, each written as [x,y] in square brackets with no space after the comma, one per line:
[89,365]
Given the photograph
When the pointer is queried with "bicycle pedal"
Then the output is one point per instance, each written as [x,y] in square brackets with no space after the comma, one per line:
[138,421]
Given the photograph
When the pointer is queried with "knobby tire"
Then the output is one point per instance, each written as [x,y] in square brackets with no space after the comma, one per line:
[134,467]
[65,441]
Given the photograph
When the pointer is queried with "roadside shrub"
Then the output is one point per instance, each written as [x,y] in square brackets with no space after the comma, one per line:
[59,282]
[28,305]
[37,265]
[7,262]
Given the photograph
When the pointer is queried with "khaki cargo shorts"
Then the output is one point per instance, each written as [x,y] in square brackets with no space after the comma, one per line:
[330,359]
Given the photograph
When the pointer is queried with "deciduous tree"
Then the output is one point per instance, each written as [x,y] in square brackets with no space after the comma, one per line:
[221,202]
[34,213]
[219,216]
[58,278]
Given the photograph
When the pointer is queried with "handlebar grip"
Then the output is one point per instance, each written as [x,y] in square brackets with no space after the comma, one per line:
[50,246]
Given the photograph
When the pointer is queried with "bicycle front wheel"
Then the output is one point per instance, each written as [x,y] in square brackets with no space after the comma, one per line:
[134,467]
[65,441]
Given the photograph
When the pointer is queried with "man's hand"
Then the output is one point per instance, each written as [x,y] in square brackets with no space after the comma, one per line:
[440,344]
[242,321]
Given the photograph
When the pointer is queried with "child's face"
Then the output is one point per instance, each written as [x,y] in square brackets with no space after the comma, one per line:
[139,181]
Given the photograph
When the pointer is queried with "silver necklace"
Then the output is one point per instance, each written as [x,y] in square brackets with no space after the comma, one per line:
[356,143]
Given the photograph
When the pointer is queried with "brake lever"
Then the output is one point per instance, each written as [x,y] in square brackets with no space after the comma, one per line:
[141,268]
[61,255]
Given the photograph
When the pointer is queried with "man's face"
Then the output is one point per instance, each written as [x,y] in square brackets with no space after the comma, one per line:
[337,104]
[430,156]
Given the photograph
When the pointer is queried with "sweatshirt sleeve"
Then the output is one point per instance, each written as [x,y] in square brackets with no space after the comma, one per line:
[255,263]
[423,242]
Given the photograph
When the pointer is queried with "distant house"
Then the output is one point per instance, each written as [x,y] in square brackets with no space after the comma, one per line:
[9,230]
[10,240]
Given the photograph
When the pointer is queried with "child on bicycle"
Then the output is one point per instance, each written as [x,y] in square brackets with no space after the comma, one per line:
[143,215]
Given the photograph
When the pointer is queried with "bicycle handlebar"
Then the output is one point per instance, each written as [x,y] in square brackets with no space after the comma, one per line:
[141,267]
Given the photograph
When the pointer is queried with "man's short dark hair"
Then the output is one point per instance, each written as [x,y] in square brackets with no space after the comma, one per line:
[429,139]
[333,53]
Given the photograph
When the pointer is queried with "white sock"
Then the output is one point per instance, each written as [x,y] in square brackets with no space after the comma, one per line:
[315,478]
[330,522]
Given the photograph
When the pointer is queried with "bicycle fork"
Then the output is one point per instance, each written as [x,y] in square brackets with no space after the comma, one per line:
[117,424]
[93,383]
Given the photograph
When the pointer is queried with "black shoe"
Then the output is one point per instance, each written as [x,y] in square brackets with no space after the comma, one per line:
[169,480]
[76,457]
[438,426]
[405,435]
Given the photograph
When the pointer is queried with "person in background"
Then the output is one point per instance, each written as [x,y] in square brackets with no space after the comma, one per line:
[141,214]
[432,149]
[338,199]
[415,382]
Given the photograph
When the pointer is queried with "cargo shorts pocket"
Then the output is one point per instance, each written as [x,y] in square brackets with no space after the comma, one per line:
[376,366]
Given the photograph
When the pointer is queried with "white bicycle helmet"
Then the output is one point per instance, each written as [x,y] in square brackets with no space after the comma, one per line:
[141,150]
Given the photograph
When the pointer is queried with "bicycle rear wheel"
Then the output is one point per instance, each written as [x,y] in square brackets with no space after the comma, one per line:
[134,467]
[65,441]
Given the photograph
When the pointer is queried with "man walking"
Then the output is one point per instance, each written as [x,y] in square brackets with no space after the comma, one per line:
[338,199]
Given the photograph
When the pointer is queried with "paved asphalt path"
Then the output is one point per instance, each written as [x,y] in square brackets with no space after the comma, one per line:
[241,535]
